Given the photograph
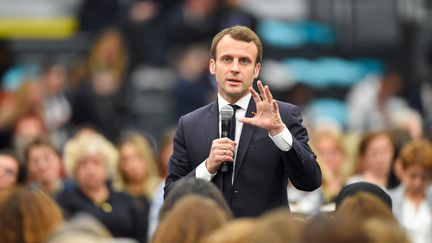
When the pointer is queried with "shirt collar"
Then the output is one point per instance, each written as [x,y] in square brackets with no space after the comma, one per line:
[243,102]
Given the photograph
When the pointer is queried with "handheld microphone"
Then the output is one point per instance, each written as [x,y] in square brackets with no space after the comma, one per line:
[226,114]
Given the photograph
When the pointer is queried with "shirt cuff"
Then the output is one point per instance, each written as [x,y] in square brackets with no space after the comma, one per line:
[283,140]
[201,172]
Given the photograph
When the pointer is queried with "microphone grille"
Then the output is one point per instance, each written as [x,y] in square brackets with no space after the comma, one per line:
[226,112]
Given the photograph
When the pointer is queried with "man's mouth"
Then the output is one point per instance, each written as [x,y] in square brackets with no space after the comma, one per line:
[232,80]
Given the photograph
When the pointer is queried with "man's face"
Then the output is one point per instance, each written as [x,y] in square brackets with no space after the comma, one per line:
[8,172]
[234,67]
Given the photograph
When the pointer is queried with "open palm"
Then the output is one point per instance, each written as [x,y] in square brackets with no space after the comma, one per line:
[267,115]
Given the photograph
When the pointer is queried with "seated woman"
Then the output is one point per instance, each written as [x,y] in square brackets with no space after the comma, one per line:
[375,158]
[138,172]
[91,161]
[412,200]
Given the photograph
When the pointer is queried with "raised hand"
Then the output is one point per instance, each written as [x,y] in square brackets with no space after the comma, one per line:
[267,115]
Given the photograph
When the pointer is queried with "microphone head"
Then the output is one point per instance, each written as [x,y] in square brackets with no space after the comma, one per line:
[226,112]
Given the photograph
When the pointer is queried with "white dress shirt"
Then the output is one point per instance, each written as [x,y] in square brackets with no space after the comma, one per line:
[283,140]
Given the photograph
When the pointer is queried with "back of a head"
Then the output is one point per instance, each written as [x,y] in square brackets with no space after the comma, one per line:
[363,206]
[235,231]
[354,188]
[28,216]
[82,228]
[278,226]
[194,186]
[192,218]
[380,231]
[323,229]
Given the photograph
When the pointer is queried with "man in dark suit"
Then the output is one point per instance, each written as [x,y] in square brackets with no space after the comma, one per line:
[269,143]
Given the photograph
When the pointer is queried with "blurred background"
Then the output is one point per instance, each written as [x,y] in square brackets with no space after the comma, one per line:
[117,65]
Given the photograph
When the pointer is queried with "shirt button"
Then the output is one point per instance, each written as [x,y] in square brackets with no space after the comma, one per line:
[236,191]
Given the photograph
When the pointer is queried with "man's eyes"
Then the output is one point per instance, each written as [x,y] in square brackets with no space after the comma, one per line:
[226,59]
[244,61]
[241,61]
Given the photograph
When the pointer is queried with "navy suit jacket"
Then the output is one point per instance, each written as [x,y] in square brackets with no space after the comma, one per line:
[262,169]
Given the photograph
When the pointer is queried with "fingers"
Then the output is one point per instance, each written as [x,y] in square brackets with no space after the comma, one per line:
[222,150]
[255,95]
[265,93]
[275,106]
[268,94]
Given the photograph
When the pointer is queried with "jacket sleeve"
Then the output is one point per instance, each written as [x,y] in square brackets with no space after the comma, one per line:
[303,169]
[179,165]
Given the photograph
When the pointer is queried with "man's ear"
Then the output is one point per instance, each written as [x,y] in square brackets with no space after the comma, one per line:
[212,65]
[257,70]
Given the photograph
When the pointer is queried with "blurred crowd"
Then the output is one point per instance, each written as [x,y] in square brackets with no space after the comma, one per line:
[85,139]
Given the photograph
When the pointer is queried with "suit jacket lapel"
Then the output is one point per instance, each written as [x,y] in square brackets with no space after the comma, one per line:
[246,137]
[211,124]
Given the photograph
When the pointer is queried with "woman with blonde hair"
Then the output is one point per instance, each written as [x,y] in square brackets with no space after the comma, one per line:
[138,170]
[91,161]
[28,216]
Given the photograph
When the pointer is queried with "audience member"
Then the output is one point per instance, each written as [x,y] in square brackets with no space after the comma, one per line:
[9,171]
[277,226]
[43,167]
[375,158]
[331,156]
[82,228]
[191,21]
[412,200]
[323,229]
[139,174]
[27,128]
[373,103]
[195,186]
[192,218]
[100,100]
[363,206]
[28,216]
[379,231]
[194,87]
[91,160]
[354,188]
[56,107]
[165,151]
[235,231]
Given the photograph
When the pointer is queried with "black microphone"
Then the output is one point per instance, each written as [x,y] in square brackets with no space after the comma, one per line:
[226,114]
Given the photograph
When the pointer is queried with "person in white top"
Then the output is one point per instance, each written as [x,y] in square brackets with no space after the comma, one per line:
[412,200]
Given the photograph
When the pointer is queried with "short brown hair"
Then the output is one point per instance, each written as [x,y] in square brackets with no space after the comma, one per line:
[417,152]
[241,33]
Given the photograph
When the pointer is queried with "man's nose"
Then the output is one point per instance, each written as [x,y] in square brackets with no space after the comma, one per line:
[235,66]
